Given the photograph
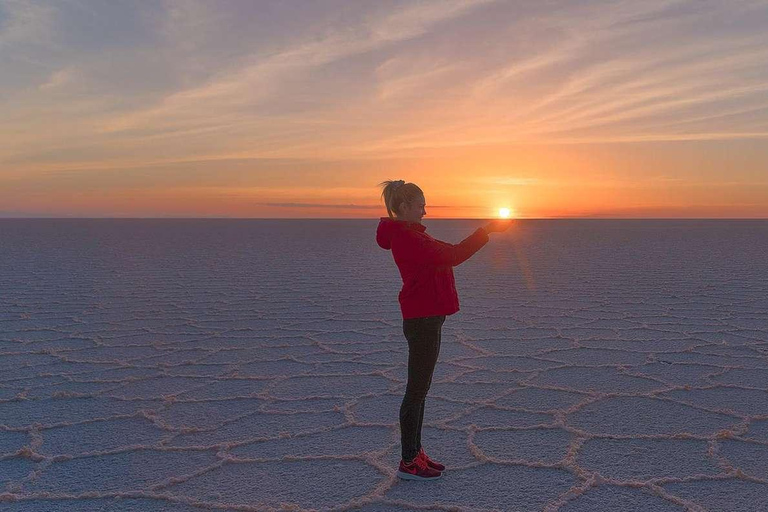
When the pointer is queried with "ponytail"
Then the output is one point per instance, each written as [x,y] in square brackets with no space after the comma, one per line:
[395,193]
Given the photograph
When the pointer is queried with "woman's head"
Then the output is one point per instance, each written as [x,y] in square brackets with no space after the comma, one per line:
[404,200]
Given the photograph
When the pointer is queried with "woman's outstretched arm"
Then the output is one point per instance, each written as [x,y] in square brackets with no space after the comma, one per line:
[437,252]
[427,250]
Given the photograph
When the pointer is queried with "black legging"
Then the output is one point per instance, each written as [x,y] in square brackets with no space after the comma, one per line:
[423,335]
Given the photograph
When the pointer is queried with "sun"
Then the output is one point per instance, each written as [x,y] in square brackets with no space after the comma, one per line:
[505,213]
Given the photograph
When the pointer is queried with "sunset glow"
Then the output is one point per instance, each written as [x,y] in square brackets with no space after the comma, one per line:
[298,109]
[505,213]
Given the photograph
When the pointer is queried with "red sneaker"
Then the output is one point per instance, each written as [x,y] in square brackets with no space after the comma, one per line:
[434,465]
[417,470]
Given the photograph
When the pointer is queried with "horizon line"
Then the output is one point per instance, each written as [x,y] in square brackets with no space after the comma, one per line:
[376,218]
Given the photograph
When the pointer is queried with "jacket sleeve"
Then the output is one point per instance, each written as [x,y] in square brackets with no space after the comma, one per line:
[427,250]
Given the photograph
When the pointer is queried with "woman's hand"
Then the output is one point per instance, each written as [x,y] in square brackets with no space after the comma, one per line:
[498,225]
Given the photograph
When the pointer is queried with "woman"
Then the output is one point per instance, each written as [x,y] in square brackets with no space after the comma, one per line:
[427,297]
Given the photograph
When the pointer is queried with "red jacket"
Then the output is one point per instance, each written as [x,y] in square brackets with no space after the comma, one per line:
[426,266]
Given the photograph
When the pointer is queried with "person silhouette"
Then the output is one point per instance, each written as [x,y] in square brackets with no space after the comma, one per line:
[427,297]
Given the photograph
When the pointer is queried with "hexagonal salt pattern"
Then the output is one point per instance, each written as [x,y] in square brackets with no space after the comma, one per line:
[185,365]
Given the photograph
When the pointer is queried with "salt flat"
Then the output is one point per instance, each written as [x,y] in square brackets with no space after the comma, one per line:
[180,365]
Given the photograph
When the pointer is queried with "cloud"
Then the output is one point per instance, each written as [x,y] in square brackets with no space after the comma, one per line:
[313,205]
[59,79]
[663,137]
[257,81]
[25,22]
[417,18]
[335,206]
[24,214]
[405,75]
[511,181]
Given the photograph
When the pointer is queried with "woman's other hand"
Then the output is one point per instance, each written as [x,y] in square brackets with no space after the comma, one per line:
[498,225]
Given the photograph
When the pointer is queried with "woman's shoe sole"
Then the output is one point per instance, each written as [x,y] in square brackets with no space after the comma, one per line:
[408,476]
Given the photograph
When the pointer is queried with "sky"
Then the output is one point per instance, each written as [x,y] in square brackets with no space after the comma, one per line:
[299,108]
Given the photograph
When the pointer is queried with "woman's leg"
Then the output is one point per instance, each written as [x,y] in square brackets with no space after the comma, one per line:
[421,421]
[423,403]
[423,335]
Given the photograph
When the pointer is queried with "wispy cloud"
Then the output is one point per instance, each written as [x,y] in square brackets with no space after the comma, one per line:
[318,205]
[25,22]
[509,181]
[58,79]
[257,81]
[402,76]
[595,180]
[335,206]
[97,89]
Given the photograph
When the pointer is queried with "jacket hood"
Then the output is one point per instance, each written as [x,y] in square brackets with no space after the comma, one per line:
[389,227]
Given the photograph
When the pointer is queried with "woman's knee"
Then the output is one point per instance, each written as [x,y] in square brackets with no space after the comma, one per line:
[415,395]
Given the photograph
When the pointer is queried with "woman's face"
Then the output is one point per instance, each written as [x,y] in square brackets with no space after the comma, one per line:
[414,211]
